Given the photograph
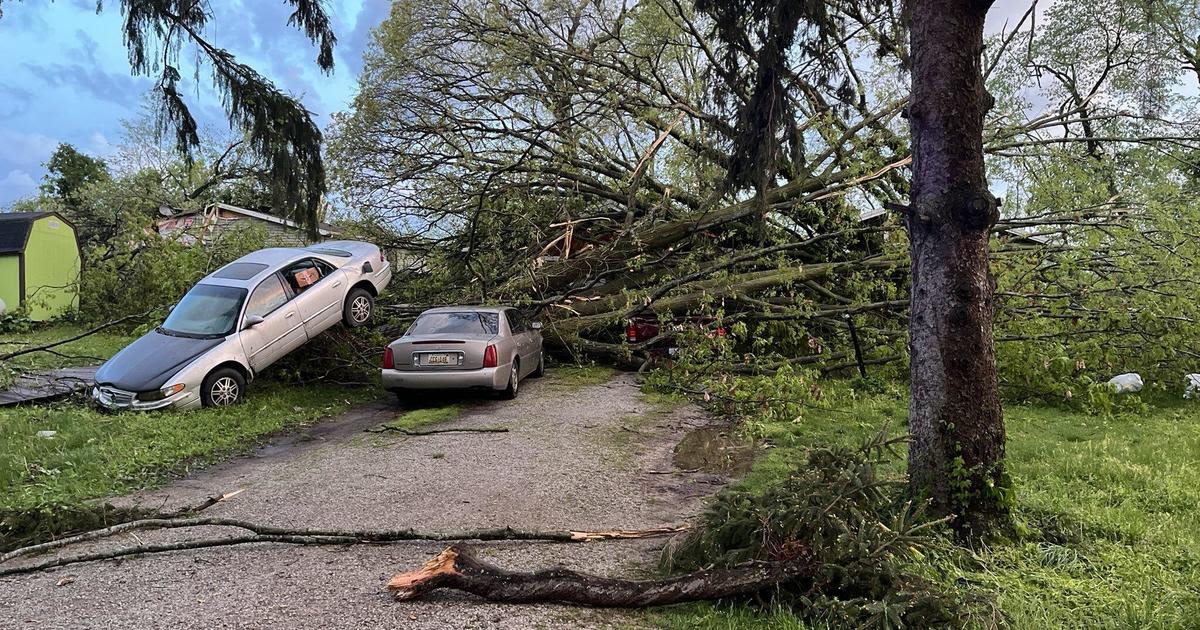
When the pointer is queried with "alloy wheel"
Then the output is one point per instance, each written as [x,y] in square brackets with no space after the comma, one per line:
[224,391]
[360,309]
[515,378]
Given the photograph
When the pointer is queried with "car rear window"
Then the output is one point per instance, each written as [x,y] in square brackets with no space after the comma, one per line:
[239,271]
[456,323]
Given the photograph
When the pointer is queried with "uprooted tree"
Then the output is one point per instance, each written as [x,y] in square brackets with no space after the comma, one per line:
[602,162]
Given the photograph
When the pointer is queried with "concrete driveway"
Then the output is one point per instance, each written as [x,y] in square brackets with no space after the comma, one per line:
[595,457]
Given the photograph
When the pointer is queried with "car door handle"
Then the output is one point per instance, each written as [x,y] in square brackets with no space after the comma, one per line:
[337,284]
[289,315]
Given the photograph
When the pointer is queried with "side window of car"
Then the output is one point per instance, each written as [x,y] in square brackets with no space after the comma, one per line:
[268,296]
[515,323]
[303,274]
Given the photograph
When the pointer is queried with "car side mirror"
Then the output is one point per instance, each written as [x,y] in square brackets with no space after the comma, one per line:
[536,325]
[251,321]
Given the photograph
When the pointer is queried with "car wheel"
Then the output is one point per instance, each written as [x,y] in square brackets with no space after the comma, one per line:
[541,368]
[222,388]
[358,308]
[514,381]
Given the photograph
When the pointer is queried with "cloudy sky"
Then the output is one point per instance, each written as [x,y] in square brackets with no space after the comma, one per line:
[64,75]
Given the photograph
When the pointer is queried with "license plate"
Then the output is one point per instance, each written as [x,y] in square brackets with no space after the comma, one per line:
[444,358]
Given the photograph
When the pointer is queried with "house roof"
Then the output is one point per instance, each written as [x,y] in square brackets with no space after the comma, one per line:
[324,229]
[14,230]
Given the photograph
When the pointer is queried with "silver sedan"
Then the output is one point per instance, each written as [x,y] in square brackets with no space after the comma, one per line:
[239,320]
[465,347]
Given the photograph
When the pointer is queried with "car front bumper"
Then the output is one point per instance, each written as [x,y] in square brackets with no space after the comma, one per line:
[121,400]
[484,378]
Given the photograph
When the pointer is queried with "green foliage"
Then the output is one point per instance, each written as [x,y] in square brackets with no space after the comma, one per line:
[836,515]
[133,276]
[68,171]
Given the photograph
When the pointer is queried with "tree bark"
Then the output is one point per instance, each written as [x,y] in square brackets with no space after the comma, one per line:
[957,452]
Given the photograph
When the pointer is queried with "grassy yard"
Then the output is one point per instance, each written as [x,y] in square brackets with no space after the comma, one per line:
[91,350]
[94,454]
[1112,507]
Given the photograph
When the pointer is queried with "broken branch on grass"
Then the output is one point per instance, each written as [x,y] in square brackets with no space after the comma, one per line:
[386,429]
[456,568]
[46,347]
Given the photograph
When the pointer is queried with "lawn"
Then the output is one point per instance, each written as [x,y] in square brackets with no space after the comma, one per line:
[1111,505]
[94,454]
[91,350]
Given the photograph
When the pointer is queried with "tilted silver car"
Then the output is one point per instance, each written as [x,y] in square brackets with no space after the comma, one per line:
[241,319]
[462,347]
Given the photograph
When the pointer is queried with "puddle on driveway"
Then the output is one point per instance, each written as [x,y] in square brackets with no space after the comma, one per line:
[714,450]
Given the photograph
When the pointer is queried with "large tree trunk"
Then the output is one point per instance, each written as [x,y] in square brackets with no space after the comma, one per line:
[957,451]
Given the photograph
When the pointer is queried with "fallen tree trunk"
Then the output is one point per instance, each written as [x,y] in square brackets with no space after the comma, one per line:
[456,568]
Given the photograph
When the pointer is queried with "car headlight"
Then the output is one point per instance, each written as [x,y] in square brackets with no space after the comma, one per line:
[160,394]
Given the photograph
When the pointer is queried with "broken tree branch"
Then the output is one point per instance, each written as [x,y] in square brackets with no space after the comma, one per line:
[298,536]
[456,568]
[54,344]
[389,429]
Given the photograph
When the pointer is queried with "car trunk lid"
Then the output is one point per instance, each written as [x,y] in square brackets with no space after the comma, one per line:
[440,352]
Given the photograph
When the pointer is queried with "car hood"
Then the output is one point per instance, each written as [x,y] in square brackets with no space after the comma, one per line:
[147,363]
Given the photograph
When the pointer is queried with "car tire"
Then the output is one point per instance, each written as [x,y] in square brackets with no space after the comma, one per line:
[358,308]
[222,388]
[514,381]
[541,367]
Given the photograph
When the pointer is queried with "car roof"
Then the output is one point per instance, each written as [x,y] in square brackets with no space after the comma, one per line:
[272,257]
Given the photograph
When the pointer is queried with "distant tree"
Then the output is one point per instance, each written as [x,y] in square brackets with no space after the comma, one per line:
[68,171]
[278,128]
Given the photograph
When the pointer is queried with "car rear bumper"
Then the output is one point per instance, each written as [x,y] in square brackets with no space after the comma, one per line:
[486,378]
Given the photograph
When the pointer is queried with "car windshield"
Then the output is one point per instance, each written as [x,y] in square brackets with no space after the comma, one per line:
[465,323]
[208,310]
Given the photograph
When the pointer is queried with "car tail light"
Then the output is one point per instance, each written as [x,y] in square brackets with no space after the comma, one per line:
[381,254]
[489,357]
[631,333]
[389,361]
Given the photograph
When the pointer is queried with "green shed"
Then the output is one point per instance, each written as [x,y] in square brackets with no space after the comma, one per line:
[39,264]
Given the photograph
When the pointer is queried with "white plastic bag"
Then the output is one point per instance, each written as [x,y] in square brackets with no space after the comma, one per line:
[1129,383]
[1193,386]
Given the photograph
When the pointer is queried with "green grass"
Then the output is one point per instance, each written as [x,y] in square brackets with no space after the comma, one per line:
[426,416]
[96,454]
[91,350]
[48,483]
[1112,506]
[575,376]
